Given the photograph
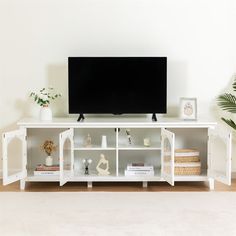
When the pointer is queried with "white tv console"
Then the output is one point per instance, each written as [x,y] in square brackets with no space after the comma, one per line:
[214,147]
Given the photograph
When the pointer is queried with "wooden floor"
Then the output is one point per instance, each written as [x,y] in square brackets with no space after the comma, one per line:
[116,187]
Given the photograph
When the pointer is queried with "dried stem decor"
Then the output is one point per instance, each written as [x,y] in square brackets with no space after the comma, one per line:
[49,147]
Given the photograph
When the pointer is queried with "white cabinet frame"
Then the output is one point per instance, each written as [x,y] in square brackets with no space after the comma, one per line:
[225,140]
[6,141]
[66,175]
[167,156]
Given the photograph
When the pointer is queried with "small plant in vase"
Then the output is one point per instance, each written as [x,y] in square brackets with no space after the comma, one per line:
[43,98]
[49,147]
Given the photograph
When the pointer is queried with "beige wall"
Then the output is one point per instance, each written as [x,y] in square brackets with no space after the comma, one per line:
[198,37]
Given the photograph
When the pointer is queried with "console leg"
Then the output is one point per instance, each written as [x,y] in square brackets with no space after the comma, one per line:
[154,117]
[89,184]
[145,184]
[22,184]
[211,184]
[81,117]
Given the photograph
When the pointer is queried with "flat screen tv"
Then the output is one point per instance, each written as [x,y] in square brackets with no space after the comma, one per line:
[117,85]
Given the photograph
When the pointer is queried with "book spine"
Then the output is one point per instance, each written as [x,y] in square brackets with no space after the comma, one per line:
[137,164]
[139,173]
[143,168]
[46,173]
[47,169]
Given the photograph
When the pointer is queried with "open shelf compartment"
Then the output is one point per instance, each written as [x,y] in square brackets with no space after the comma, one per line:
[139,139]
[81,141]
[79,167]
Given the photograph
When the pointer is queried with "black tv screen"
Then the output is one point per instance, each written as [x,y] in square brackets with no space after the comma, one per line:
[117,85]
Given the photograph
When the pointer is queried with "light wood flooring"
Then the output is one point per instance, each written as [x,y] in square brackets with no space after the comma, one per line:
[116,187]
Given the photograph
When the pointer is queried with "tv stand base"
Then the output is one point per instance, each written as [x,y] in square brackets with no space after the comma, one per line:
[154,117]
[81,117]
[163,136]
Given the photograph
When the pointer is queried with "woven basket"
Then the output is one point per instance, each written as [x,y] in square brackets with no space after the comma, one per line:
[186,159]
[182,159]
[188,170]
[185,168]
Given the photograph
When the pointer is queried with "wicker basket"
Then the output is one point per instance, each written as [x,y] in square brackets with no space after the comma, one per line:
[187,162]
[182,159]
[185,168]
[188,169]
[186,159]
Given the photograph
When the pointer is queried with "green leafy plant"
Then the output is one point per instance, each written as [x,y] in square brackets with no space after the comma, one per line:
[44,96]
[227,102]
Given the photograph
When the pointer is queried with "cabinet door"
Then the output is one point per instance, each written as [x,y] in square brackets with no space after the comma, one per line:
[167,156]
[10,140]
[66,156]
[220,154]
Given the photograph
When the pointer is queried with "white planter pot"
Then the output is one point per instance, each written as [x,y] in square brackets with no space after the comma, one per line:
[45,113]
[49,161]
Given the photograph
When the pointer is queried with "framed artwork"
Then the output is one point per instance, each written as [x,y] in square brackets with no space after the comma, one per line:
[188,108]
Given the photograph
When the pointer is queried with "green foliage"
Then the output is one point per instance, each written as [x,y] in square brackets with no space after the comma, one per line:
[229,122]
[234,85]
[44,96]
[227,102]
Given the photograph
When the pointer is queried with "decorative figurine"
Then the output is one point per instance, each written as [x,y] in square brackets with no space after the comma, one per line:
[103,161]
[88,141]
[128,135]
[86,163]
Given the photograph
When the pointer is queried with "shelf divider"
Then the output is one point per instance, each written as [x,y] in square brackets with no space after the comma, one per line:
[117,152]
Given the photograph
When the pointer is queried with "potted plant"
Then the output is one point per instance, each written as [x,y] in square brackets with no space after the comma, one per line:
[49,147]
[227,102]
[43,98]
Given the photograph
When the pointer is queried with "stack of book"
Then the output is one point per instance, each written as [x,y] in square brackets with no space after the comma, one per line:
[139,169]
[187,162]
[43,170]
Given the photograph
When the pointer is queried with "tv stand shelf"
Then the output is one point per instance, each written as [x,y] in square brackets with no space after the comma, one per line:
[69,135]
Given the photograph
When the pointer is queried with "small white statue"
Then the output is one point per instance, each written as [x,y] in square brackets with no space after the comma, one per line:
[105,162]
[88,141]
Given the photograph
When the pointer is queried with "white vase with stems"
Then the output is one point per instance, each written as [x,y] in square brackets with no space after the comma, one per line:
[43,99]
[49,147]
[45,113]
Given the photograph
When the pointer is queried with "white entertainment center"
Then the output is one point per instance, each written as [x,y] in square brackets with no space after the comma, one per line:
[214,147]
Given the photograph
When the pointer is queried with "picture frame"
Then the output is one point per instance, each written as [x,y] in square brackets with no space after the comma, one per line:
[188,108]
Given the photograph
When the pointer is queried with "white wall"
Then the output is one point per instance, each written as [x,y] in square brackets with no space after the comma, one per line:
[197,36]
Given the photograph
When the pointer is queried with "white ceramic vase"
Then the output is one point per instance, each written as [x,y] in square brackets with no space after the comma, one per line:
[49,161]
[104,141]
[45,113]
